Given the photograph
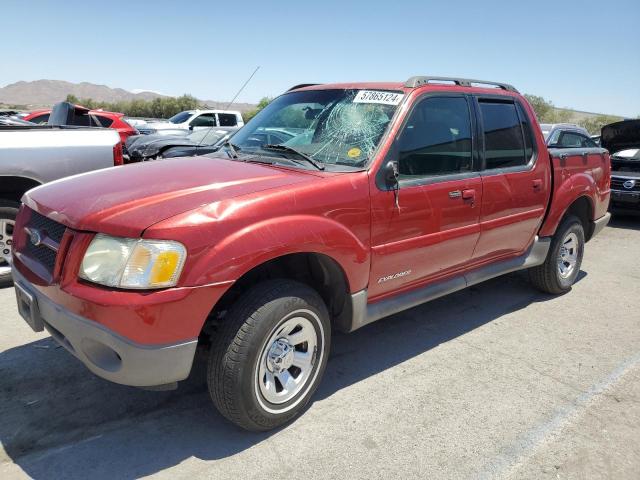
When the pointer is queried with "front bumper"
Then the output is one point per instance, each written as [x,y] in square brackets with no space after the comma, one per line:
[624,200]
[103,351]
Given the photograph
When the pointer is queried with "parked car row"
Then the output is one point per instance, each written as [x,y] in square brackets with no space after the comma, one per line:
[335,206]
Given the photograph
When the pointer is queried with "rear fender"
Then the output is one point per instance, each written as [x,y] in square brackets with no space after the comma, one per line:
[245,249]
[579,185]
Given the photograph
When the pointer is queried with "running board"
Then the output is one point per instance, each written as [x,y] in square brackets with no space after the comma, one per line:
[364,313]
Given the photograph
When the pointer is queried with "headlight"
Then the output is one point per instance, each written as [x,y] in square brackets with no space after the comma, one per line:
[133,263]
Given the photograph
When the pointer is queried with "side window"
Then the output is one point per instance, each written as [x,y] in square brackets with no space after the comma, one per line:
[436,140]
[40,119]
[227,120]
[570,140]
[575,140]
[204,120]
[101,121]
[81,120]
[553,140]
[588,142]
[503,140]
[527,131]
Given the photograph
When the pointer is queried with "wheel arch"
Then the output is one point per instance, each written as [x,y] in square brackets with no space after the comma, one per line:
[575,197]
[13,187]
[317,270]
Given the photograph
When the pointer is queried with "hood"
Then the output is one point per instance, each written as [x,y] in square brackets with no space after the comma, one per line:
[144,146]
[126,200]
[186,151]
[621,135]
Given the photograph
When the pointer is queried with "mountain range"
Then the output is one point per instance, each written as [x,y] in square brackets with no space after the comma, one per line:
[44,93]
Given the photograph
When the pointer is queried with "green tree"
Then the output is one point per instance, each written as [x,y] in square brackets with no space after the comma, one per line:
[544,108]
[264,101]
[594,124]
[161,107]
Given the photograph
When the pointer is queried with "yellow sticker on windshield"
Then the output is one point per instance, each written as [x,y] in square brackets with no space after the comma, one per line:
[354,152]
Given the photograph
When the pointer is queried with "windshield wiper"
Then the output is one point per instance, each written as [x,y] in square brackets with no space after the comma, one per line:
[287,148]
[231,148]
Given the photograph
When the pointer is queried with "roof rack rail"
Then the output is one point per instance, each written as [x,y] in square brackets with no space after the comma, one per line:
[302,85]
[463,82]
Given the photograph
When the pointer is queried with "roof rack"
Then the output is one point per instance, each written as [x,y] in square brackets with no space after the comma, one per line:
[462,82]
[302,85]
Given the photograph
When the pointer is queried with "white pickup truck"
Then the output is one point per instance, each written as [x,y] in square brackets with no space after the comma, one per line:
[32,156]
[190,120]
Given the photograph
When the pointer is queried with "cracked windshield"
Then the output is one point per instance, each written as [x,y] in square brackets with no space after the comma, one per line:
[329,127]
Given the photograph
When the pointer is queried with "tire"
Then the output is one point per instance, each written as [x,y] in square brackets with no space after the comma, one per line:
[549,277]
[253,374]
[8,212]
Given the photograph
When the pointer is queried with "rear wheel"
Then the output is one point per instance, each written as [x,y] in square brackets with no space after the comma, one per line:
[269,354]
[8,212]
[562,265]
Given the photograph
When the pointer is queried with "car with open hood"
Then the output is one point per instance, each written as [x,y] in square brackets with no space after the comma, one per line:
[622,139]
[150,147]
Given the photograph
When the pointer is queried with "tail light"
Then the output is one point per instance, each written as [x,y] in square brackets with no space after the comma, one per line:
[117,154]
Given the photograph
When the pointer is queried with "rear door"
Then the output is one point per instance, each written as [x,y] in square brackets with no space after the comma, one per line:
[516,183]
[429,226]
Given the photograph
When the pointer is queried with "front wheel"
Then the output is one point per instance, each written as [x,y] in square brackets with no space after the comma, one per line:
[8,212]
[269,354]
[561,267]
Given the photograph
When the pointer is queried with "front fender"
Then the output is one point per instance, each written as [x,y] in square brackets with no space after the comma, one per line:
[579,185]
[239,252]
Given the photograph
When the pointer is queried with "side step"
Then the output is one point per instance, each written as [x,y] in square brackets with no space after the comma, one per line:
[365,313]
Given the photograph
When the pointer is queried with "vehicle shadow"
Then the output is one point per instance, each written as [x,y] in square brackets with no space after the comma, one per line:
[625,221]
[60,421]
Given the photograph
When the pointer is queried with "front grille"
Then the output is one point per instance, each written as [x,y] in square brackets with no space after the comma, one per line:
[43,255]
[53,229]
[49,231]
[617,183]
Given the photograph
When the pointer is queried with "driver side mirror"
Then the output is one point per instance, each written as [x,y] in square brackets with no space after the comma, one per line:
[391,173]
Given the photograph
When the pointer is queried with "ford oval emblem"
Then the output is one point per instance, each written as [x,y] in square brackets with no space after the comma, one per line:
[35,237]
[629,184]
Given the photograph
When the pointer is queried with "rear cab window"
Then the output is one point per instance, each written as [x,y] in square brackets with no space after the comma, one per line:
[574,140]
[508,141]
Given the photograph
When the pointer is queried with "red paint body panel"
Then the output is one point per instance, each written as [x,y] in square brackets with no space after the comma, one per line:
[233,216]
[126,200]
[575,177]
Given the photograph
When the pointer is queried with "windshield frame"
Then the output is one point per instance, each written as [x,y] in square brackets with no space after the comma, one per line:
[364,165]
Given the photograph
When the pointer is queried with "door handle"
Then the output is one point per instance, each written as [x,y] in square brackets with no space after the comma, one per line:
[537,184]
[455,194]
[469,194]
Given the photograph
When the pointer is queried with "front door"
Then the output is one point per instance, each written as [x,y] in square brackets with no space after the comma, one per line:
[432,227]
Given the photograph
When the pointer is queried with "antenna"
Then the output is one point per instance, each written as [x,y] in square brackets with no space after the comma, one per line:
[231,102]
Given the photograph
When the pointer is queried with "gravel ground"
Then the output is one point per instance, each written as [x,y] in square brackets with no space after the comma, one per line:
[498,381]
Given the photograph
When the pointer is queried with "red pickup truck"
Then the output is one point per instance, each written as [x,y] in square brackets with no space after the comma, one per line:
[384,196]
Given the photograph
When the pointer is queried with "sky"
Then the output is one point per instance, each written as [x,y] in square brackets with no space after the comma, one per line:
[582,55]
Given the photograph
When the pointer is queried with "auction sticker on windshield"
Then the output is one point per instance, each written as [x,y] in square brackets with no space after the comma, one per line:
[373,96]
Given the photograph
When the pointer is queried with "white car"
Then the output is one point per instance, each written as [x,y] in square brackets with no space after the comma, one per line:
[193,120]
